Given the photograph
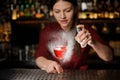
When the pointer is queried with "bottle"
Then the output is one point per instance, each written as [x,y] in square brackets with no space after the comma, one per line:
[117,29]
[105,28]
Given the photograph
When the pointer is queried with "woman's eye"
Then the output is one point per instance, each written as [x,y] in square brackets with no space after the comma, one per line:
[68,10]
[56,11]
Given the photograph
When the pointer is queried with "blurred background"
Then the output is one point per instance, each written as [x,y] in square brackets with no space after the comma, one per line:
[22,20]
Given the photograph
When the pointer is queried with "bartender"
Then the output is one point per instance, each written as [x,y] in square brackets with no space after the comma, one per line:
[66,44]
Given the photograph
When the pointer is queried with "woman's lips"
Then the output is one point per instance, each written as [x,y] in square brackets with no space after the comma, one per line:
[63,21]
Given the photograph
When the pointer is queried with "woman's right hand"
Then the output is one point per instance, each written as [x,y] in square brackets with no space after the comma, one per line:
[49,66]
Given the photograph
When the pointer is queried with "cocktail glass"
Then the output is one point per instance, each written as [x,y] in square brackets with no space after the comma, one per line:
[59,51]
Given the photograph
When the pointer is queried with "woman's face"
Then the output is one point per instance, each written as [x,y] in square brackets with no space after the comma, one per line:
[63,12]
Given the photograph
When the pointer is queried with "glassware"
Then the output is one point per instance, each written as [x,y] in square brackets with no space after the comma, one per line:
[59,51]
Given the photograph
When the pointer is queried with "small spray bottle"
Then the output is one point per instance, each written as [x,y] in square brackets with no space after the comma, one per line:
[78,30]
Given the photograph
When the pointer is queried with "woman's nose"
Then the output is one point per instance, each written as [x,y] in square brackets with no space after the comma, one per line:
[62,15]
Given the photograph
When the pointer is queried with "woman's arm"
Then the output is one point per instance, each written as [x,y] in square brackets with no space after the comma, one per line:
[103,51]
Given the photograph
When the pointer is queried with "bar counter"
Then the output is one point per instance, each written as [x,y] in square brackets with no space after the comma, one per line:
[37,74]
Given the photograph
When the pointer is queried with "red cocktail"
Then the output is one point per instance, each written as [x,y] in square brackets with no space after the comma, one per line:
[59,51]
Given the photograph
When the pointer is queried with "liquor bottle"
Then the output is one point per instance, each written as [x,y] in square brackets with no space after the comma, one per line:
[21,10]
[117,9]
[27,9]
[105,29]
[13,10]
[32,10]
[117,29]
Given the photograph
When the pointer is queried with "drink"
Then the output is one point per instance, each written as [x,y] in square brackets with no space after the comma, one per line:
[59,51]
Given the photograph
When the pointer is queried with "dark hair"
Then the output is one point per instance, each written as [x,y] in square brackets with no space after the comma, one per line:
[52,2]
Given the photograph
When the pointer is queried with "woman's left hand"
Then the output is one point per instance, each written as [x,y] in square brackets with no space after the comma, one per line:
[83,37]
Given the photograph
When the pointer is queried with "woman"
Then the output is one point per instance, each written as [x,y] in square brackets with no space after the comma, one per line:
[77,44]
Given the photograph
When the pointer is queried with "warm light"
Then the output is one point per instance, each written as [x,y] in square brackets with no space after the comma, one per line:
[95,15]
[94,27]
[39,15]
[118,29]
[91,15]
[111,15]
[21,13]
[14,15]
[106,15]
[82,15]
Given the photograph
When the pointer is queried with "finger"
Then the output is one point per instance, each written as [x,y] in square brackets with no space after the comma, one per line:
[89,38]
[54,71]
[83,35]
[85,38]
[50,68]
[90,42]
[84,43]
[58,68]
[77,39]
[80,37]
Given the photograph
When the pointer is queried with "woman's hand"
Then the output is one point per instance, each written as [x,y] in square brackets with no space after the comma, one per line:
[49,66]
[83,37]
[53,67]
